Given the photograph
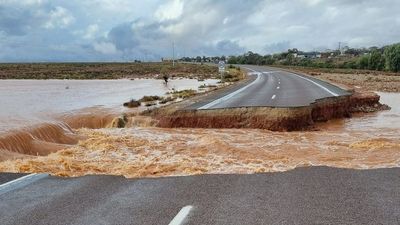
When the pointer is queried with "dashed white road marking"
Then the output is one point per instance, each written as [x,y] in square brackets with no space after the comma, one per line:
[278,87]
[273,96]
[226,97]
[181,216]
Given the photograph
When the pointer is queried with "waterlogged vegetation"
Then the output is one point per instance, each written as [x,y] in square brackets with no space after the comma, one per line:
[204,86]
[132,104]
[105,70]
[150,98]
[161,100]
[183,94]
[233,74]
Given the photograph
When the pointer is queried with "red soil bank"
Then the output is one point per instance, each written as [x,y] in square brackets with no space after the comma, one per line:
[276,119]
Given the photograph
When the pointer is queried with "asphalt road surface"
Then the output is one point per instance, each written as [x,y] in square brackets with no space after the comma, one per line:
[314,195]
[273,87]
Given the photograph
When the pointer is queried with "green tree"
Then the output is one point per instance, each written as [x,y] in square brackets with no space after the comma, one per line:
[392,57]
[363,62]
[290,60]
[232,60]
[376,60]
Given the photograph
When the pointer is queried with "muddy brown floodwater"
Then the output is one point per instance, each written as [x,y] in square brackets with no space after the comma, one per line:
[362,142]
[37,117]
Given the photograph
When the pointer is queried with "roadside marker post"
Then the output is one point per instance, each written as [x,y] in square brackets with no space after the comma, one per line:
[221,69]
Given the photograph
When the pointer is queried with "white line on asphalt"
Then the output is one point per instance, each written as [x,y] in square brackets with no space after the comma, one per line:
[268,72]
[17,180]
[273,96]
[181,216]
[326,89]
[278,87]
[20,182]
[226,97]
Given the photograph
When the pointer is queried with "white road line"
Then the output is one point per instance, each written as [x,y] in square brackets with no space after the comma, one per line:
[278,87]
[324,88]
[268,72]
[181,216]
[20,182]
[273,96]
[226,97]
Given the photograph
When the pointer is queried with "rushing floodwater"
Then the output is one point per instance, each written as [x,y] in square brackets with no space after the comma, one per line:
[364,141]
[27,102]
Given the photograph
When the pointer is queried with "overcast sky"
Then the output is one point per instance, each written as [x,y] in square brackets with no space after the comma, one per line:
[120,30]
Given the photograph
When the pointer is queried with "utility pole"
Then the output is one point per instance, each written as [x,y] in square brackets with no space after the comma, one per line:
[173,54]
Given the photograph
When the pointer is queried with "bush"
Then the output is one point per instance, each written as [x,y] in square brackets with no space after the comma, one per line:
[132,103]
[392,57]
[363,62]
[376,61]
[150,98]
[166,99]
[184,93]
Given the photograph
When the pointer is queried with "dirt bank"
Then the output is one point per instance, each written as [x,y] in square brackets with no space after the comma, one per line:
[356,79]
[271,118]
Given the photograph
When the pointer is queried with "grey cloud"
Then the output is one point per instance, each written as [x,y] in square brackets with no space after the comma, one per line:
[16,21]
[204,27]
[123,37]
[277,47]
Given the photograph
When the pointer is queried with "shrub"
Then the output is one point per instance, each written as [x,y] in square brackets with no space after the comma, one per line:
[164,100]
[363,62]
[184,93]
[132,103]
[150,98]
[376,61]
[392,57]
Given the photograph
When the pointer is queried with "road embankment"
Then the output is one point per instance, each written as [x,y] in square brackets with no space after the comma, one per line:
[270,118]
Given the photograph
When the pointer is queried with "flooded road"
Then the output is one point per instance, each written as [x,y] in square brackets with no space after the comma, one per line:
[37,116]
[29,102]
[362,142]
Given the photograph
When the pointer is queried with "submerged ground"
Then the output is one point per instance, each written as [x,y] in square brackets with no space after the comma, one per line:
[364,141]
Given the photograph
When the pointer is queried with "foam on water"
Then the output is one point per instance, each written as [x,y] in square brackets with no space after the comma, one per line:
[362,142]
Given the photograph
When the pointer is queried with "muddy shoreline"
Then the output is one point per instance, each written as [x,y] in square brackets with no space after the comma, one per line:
[270,118]
[144,149]
[46,138]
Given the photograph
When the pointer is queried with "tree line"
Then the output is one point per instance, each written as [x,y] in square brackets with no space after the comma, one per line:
[382,59]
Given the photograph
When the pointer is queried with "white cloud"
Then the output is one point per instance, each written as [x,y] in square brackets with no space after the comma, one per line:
[105,48]
[24,2]
[312,2]
[170,10]
[59,17]
[91,31]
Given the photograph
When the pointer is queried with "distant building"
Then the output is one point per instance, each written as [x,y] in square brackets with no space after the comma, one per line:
[307,55]
[166,60]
